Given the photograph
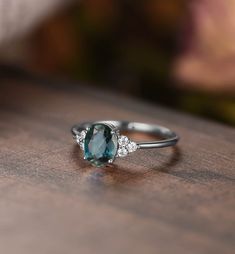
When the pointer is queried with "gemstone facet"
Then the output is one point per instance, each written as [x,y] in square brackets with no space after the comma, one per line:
[100,144]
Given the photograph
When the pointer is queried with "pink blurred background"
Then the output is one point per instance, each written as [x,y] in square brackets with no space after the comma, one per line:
[177,53]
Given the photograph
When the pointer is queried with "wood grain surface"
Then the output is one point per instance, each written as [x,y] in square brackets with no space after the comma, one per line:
[178,200]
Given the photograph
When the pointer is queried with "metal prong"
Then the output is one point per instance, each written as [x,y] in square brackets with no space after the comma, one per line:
[118,132]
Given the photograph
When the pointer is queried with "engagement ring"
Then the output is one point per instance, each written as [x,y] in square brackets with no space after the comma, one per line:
[103,142]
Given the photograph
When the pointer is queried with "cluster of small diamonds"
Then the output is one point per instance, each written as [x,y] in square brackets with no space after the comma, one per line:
[125,146]
[80,138]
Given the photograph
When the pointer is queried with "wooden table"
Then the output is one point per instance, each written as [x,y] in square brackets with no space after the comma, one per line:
[154,201]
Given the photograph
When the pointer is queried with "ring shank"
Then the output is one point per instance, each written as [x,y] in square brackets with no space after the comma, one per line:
[169,138]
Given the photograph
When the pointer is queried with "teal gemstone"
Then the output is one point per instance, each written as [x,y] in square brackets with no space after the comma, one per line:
[100,144]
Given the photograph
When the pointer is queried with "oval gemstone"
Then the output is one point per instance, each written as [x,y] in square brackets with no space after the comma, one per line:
[100,144]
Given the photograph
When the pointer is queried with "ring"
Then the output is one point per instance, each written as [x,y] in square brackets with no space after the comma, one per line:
[102,141]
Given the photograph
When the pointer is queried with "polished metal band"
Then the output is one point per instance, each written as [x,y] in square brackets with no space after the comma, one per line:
[168,137]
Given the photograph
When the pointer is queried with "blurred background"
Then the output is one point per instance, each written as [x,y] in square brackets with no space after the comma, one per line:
[177,53]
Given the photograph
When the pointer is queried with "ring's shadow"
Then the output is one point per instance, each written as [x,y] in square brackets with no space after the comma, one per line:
[118,174]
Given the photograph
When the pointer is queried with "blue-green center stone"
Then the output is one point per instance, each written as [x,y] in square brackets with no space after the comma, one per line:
[100,144]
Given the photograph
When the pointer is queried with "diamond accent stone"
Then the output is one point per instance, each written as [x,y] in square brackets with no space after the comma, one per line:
[83,134]
[132,147]
[126,146]
[81,138]
[123,140]
[122,152]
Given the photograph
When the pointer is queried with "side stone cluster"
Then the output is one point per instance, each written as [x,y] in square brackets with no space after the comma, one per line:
[125,146]
[80,138]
